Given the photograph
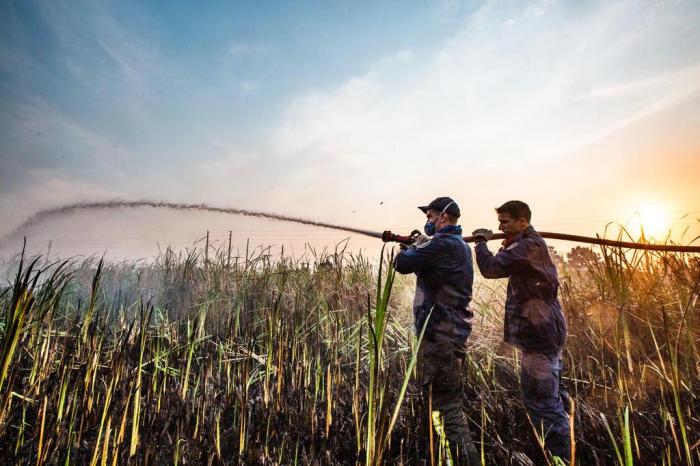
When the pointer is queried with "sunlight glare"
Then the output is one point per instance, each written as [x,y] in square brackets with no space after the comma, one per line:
[651,218]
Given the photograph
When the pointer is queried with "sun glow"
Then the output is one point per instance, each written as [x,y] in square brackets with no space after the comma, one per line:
[653,219]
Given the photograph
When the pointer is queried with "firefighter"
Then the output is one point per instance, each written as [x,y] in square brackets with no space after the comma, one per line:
[442,262]
[534,322]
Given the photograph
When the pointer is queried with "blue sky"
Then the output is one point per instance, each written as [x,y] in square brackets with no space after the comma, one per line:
[146,75]
[331,110]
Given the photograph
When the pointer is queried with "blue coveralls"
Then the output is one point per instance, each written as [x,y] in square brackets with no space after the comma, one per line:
[444,272]
[535,324]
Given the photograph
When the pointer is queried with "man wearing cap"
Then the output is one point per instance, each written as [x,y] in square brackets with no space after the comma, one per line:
[443,267]
[534,322]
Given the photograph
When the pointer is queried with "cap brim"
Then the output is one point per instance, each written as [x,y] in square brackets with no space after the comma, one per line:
[424,208]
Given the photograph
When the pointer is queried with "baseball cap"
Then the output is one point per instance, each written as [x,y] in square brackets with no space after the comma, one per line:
[440,203]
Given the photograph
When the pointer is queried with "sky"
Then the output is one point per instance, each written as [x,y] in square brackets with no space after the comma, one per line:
[345,112]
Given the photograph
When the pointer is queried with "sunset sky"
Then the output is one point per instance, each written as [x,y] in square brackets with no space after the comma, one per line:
[345,112]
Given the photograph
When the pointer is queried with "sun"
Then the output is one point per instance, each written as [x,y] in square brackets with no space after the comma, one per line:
[651,218]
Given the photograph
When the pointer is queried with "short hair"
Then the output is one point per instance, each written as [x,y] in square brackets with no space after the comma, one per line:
[451,218]
[516,209]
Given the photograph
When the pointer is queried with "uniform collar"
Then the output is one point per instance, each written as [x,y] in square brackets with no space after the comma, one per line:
[450,230]
[513,239]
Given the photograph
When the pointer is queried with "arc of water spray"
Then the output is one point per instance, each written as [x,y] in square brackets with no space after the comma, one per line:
[119,204]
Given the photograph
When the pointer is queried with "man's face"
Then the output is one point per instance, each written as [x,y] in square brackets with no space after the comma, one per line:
[435,217]
[511,226]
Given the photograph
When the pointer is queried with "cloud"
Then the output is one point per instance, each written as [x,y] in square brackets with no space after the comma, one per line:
[403,55]
[240,49]
[38,136]
[248,87]
[490,109]
[96,48]
[512,87]
[92,104]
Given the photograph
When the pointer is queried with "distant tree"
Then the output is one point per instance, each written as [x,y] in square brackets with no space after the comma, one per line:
[556,257]
[582,258]
[694,265]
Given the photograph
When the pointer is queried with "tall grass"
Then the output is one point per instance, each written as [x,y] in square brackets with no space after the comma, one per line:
[261,360]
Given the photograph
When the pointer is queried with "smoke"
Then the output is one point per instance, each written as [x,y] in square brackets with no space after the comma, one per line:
[68,209]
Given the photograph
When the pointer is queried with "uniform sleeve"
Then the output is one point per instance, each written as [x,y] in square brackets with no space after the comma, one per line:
[504,263]
[416,259]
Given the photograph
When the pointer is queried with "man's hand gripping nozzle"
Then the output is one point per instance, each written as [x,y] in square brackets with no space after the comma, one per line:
[415,239]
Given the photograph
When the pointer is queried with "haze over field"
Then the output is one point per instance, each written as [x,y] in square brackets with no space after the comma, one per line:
[347,113]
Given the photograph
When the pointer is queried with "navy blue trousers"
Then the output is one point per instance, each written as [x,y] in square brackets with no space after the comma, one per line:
[546,400]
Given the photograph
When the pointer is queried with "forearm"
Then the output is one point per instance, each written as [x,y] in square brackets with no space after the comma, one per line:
[489,265]
[403,264]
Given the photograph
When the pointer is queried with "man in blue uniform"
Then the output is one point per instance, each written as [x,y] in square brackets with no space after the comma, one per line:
[443,267]
[534,322]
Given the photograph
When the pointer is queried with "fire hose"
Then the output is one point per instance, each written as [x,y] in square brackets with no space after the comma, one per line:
[388,236]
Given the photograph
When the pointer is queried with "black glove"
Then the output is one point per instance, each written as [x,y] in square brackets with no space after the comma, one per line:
[481,235]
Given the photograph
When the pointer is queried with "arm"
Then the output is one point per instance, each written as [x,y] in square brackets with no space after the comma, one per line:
[504,263]
[415,259]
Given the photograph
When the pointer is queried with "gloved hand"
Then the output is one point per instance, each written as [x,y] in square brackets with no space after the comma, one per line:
[421,240]
[482,234]
[418,242]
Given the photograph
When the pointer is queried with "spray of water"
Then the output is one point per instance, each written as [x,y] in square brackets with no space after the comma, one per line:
[117,204]
[48,214]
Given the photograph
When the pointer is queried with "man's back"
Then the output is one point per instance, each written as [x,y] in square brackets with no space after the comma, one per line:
[445,274]
[444,271]
[534,321]
[533,318]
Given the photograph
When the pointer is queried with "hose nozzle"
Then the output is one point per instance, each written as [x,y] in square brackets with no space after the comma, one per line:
[389,237]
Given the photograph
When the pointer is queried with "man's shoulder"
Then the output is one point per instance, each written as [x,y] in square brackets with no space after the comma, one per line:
[524,243]
[449,241]
[423,248]
[532,237]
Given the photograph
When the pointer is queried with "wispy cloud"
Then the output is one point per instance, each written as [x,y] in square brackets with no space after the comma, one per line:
[40,136]
[88,36]
[247,87]
[538,87]
[244,48]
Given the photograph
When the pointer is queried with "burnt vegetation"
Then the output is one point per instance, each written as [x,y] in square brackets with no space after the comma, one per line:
[203,359]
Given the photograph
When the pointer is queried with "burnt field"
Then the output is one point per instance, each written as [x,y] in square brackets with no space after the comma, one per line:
[200,359]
